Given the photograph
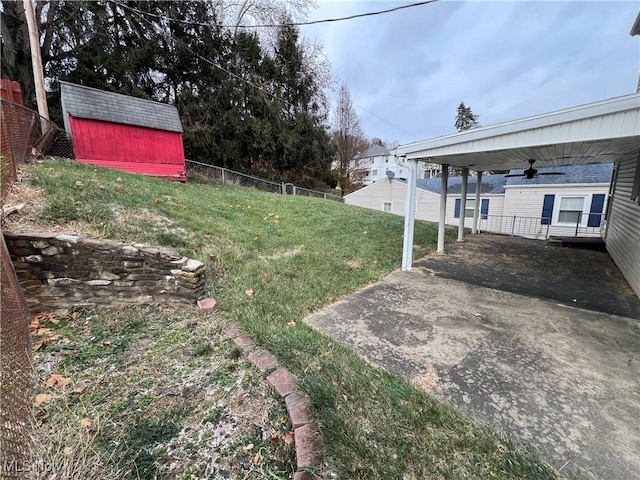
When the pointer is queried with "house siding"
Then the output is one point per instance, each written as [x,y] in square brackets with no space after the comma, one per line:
[428,203]
[522,201]
[623,226]
[376,194]
[496,207]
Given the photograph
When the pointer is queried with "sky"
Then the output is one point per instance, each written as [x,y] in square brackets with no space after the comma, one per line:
[407,71]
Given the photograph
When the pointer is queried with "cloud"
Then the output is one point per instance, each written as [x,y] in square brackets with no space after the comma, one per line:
[506,60]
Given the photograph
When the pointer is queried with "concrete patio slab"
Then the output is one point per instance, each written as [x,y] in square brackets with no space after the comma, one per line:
[563,381]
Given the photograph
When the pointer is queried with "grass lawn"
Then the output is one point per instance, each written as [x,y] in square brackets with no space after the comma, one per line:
[295,255]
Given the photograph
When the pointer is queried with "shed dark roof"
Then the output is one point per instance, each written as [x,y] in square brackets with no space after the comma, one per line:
[85,102]
[495,184]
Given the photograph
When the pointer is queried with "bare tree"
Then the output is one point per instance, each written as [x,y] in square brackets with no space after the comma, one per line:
[349,140]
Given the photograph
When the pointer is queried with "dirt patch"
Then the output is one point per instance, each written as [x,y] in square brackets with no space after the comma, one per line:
[292,252]
[23,204]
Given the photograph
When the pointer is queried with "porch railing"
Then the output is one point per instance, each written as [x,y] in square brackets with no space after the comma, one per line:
[540,228]
[529,227]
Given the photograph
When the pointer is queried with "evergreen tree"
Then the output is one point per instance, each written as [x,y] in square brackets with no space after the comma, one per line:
[242,106]
[465,118]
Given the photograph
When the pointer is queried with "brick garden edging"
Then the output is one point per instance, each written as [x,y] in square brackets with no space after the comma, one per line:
[307,443]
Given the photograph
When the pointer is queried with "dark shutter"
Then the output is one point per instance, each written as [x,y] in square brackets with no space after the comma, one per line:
[456,212]
[484,208]
[597,203]
[547,209]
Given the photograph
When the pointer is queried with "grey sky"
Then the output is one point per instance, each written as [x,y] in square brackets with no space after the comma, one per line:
[506,60]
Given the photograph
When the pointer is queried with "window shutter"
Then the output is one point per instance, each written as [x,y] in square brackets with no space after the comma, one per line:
[456,213]
[547,209]
[597,203]
[484,208]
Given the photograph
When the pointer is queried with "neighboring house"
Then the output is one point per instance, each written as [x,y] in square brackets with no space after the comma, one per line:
[376,161]
[123,132]
[546,205]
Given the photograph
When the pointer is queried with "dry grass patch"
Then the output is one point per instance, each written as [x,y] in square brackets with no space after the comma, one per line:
[149,393]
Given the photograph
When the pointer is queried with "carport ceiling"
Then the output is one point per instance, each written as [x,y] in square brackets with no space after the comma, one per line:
[601,132]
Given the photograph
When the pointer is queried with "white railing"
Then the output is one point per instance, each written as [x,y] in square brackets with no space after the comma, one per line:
[231,177]
[529,227]
[582,228]
[540,228]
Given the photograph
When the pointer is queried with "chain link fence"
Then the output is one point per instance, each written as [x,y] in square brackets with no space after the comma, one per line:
[16,374]
[213,173]
[22,131]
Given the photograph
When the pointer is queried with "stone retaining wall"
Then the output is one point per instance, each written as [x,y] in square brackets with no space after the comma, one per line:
[64,271]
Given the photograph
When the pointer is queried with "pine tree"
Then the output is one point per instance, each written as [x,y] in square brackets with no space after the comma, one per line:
[465,118]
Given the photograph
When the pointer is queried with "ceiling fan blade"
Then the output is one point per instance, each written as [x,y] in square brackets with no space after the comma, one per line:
[515,175]
[551,173]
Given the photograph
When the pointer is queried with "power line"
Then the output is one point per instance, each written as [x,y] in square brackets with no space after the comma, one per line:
[214,64]
[142,14]
[277,25]
[385,121]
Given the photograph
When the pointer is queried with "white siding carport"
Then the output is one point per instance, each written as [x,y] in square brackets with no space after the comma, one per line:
[623,226]
[603,132]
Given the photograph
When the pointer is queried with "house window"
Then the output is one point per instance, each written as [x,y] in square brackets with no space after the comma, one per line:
[387,207]
[469,206]
[570,210]
[372,161]
[386,160]
[400,172]
[374,173]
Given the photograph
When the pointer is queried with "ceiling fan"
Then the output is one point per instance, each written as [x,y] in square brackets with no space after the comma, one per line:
[531,172]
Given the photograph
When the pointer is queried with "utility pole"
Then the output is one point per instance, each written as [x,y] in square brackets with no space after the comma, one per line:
[36,61]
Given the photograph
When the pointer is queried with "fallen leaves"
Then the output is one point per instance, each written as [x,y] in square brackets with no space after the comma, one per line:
[47,334]
[276,218]
[79,390]
[288,438]
[57,381]
[249,292]
[42,398]
[291,324]
[85,423]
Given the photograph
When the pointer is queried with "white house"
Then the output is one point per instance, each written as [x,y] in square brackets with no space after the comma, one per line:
[376,161]
[569,204]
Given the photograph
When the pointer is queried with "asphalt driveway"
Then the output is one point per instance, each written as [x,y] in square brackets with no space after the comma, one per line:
[564,381]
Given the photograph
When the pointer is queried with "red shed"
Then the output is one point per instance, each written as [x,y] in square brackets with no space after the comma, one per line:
[123,132]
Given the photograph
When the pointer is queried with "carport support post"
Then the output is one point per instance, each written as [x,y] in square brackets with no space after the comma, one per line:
[476,207]
[463,202]
[409,216]
[443,206]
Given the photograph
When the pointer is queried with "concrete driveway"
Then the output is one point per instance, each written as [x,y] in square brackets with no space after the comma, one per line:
[562,380]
